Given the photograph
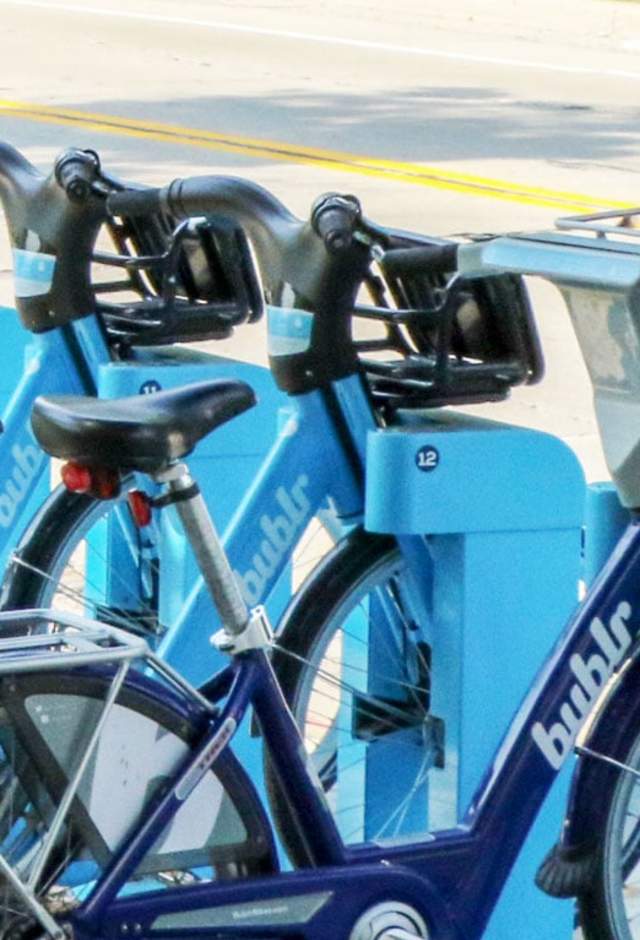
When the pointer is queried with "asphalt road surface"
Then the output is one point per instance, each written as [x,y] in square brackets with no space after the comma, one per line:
[463,116]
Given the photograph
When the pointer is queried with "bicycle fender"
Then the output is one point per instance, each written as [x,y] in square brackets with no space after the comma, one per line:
[610,730]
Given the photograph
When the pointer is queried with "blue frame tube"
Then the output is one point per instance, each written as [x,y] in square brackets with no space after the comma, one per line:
[340,898]
[292,483]
[286,750]
[50,370]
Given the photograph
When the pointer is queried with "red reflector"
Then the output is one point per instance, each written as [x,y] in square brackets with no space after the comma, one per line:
[76,478]
[106,483]
[99,482]
[140,507]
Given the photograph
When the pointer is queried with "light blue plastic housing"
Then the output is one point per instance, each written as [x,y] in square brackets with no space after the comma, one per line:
[450,472]
[502,508]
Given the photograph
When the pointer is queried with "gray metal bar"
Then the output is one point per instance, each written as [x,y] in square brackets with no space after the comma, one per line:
[68,619]
[590,222]
[179,681]
[74,783]
[207,547]
[587,752]
[53,929]
[65,661]
[78,644]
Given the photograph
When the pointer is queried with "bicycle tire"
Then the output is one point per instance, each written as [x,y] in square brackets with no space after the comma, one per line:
[610,905]
[49,566]
[43,717]
[360,572]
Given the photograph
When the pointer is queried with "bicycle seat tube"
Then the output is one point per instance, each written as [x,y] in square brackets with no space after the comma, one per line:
[184,492]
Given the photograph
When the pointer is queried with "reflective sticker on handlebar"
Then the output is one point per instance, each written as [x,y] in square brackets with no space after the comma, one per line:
[32,272]
[289,330]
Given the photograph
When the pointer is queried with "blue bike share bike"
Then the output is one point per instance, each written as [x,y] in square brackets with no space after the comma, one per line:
[427,343]
[124,810]
[183,281]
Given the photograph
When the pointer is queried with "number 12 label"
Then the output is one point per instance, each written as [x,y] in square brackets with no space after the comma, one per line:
[427,458]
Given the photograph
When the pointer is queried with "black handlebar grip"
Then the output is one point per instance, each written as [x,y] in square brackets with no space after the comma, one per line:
[135,201]
[76,171]
[432,259]
[334,218]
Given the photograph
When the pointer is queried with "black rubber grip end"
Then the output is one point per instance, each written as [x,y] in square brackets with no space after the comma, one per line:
[134,202]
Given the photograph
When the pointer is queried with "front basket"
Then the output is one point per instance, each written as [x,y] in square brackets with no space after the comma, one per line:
[447,340]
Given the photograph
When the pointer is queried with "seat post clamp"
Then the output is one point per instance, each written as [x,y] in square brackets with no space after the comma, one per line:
[175,496]
[256,635]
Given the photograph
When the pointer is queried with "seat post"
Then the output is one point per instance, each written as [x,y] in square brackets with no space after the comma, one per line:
[207,546]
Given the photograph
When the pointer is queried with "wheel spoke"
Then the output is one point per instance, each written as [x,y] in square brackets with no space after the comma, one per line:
[362,692]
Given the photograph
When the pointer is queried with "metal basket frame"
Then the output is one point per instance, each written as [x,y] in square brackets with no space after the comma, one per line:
[421,316]
[598,223]
[76,641]
[176,302]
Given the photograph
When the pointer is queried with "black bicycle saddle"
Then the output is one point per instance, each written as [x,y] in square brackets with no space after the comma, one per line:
[140,432]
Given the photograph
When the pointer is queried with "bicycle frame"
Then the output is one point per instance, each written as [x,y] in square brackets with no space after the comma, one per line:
[61,361]
[475,857]
[290,486]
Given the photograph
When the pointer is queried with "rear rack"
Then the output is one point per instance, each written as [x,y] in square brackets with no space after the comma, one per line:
[43,639]
[40,640]
[69,641]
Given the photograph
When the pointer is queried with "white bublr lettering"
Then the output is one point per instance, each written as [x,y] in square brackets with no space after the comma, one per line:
[22,473]
[591,676]
[281,532]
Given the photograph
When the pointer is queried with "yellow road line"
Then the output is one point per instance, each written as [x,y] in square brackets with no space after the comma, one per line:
[415,173]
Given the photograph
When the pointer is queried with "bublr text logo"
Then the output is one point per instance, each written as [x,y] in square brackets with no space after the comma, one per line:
[427,458]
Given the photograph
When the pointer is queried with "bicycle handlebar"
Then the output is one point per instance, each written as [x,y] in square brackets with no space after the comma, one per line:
[59,216]
[434,259]
[334,218]
[322,260]
[135,202]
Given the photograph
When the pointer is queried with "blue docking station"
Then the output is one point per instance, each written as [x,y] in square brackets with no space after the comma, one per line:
[503,509]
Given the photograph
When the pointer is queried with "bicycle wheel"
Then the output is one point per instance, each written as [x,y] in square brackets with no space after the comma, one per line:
[89,557]
[46,723]
[354,666]
[611,910]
